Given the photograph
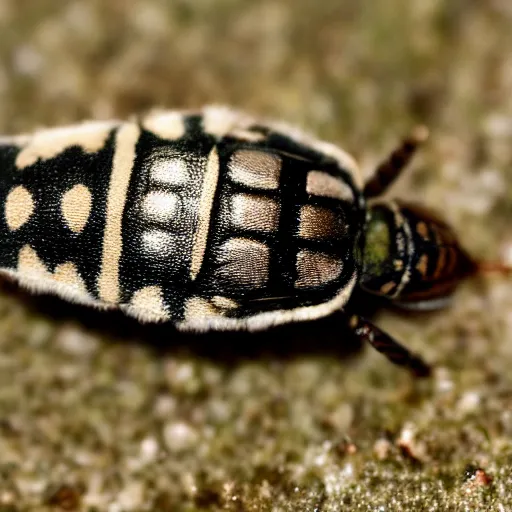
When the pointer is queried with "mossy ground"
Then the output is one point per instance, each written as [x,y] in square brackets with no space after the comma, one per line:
[98,413]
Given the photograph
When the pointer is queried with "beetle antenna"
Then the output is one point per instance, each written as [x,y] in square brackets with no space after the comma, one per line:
[391,168]
[490,267]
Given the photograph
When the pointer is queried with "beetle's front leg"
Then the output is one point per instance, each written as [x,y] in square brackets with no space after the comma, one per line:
[366,331]
[389,170]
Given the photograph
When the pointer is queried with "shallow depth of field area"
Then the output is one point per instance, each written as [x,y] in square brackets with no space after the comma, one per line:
[99,413]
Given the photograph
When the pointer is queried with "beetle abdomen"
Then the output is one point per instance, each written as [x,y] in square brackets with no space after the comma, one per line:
[54,190]
[208,219]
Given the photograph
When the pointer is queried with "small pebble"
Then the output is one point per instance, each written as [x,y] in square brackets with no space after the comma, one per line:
[179,436]
[409,445]
[381,448]
[76,342]
[130,498]
[149,449]
[469,402]
[477,478]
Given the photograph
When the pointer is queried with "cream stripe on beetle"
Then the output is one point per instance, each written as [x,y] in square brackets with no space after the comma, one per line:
[122,167]
[90,136]
[209,186]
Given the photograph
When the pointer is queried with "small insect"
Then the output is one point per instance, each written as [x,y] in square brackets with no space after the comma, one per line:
[214,220]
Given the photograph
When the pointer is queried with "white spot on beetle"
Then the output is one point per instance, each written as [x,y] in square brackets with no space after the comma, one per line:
[68,273]
[147,304]
[76,207]
[19,207]
[166,125]
[169,171]
[160,206]
[220,121]
[29,262]
[224,302]
[247,135]
[158,243]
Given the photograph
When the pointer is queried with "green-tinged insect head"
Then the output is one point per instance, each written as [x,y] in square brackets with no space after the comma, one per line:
[411,257]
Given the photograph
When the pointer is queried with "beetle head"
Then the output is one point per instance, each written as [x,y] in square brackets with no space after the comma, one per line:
[411,257]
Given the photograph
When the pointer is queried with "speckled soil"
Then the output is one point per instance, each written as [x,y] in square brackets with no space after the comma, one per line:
[98,413]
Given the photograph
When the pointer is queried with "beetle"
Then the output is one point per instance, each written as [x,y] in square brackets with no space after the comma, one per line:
[216,220]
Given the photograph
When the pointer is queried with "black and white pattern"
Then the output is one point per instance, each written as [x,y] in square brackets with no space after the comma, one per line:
[208,219]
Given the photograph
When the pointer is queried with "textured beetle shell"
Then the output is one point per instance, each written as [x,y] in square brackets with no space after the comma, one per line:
[209,219]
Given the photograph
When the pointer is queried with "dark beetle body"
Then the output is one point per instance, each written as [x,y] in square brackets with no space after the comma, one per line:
[215,220]
[236,225]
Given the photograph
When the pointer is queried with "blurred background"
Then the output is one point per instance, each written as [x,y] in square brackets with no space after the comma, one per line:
[97,413]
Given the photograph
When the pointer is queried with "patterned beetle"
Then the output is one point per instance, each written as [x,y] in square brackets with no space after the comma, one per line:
[214,220]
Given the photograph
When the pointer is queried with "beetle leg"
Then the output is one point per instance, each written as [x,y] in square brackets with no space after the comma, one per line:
[391,168]
[385,344]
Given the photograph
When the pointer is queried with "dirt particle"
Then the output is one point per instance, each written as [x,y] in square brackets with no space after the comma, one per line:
[179,436]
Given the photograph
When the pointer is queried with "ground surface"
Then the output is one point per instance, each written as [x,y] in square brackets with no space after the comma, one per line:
[97,413]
